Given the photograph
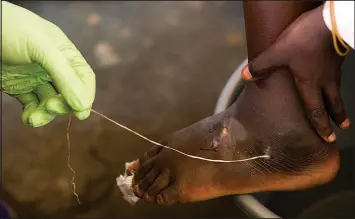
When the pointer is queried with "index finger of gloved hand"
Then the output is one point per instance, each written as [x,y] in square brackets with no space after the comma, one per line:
[336,106]
[76,61]
[313,100]
[82,69]
[51,100]
[63,75]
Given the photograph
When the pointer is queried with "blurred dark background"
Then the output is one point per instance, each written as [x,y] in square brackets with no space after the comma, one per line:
[160,66]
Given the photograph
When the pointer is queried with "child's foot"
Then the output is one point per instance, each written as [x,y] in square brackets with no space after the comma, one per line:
[250,127]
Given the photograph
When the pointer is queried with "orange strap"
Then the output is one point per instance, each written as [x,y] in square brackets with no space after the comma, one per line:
[335,33]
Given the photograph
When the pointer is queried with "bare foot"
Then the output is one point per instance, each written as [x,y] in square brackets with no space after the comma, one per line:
[265,119]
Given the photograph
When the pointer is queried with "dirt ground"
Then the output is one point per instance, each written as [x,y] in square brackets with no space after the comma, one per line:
[160,67]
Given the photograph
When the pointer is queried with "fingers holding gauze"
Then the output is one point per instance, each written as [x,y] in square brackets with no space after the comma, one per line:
[316,110]
[72,76]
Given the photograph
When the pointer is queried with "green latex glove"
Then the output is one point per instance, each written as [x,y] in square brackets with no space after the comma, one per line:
[42,68]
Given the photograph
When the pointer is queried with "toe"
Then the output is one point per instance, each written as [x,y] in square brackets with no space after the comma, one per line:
[169,196]
[141,188]
[132,167]
[142,171]
[159,184]
[149,154]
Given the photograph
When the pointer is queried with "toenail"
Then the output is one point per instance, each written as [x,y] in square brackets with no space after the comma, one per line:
[345,124]
[332,137]
[160,199]
[133,165]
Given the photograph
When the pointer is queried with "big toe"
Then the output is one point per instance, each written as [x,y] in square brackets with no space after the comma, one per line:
[132,167]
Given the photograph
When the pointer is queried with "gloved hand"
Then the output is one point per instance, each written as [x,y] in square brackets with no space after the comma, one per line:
[42,68]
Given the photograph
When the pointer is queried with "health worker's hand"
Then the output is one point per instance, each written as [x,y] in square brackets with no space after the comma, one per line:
[42,68]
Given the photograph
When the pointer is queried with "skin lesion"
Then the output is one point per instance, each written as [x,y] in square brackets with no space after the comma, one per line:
[216,141]
[298,159]
[317,113]
[249,127]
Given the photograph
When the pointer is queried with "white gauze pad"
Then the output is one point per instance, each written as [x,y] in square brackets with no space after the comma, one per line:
[124,183]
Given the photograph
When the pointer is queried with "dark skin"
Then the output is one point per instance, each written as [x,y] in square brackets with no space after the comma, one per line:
[267,118]
[306,49]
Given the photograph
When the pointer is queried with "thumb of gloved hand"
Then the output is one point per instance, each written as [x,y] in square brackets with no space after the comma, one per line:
[28,38]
